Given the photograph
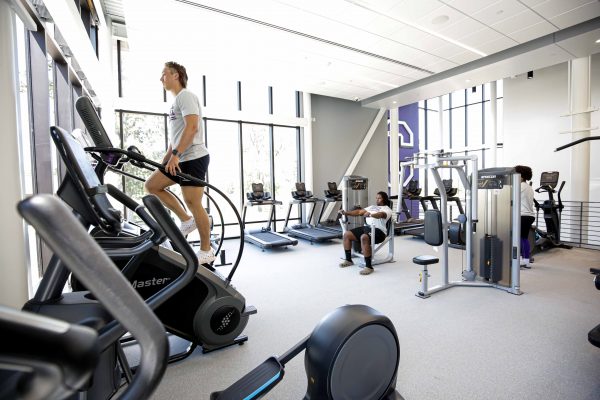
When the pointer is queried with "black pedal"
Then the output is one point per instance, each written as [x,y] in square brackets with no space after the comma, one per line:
[255,383]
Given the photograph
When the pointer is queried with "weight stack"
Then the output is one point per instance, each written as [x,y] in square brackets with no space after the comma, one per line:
[491,258]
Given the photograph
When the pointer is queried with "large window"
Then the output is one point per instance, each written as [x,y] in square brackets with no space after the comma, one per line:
[285,155]
[224,170]
[467,124]
[257,165]
[147,132]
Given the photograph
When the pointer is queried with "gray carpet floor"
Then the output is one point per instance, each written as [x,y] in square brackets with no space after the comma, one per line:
[461,343]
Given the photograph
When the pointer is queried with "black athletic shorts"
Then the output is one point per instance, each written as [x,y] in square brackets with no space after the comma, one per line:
[196,168]
[358,232]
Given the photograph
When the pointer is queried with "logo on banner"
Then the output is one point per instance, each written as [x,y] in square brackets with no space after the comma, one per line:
[406,131]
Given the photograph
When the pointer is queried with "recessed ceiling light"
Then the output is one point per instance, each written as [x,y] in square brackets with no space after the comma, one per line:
[394,102]
[440,19]
[598,41]
[467,80]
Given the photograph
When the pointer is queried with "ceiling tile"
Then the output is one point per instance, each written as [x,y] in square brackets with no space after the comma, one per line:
[416,38]
[440,66]
[469,6]
[464,57]
[581,14]
[411,10]
[497,45]
[382,26]
[533,32]
[466,27]
[553,8]
[396,50]
[499,11]
[484,35]
[447,51]
[518,22]
[532,3]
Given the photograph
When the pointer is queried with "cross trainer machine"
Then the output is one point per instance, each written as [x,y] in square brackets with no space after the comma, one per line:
[209,311]
[352,354]
[491,246]
[552,210]
[355,195]
[115,162]
[49,358]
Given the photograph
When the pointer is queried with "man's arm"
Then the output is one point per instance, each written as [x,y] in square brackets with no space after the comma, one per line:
[360,211]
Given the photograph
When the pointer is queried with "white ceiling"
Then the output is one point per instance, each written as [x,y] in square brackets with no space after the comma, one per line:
[360,49]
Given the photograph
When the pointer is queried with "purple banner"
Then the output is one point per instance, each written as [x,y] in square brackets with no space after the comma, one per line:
[408,130]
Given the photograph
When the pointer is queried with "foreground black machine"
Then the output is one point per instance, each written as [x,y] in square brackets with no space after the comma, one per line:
[209,311]
[352,354]
[43,357]
[594,334]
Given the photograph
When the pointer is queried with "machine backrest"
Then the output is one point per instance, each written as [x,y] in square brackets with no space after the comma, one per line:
[433,228]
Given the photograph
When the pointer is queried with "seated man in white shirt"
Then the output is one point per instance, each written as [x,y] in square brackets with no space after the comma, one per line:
[377,215]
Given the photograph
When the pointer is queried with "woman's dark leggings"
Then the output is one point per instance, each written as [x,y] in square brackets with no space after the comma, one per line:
[526,222]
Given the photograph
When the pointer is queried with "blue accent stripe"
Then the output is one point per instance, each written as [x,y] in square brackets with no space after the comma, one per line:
[263,387]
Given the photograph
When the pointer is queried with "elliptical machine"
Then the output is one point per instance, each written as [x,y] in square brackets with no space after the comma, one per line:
[552,213]
[352,354]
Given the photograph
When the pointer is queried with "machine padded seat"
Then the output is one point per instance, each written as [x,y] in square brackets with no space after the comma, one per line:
[425,260]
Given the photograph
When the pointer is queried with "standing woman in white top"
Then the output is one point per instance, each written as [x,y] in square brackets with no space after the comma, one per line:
[186,153]
[527,212]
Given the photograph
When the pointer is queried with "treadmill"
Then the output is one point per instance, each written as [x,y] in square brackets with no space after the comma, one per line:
[306,230]
[332,195]
[411,192]
[265,238]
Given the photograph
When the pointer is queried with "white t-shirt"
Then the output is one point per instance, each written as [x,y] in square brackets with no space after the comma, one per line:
[186,103]
[379,223]
[527,208]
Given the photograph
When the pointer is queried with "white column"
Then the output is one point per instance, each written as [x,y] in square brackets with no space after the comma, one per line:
[394,152]
[308,143]
[579,94]
[441,125]
[493,154]
[13,279]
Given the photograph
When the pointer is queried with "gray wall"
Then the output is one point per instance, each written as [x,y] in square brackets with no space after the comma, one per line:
[532,122]
[339,127]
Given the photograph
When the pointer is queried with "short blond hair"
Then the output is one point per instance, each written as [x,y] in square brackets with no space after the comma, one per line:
[180,70]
